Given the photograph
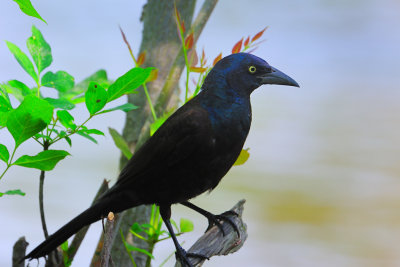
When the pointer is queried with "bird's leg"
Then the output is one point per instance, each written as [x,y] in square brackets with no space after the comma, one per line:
[181,254]
[214,219]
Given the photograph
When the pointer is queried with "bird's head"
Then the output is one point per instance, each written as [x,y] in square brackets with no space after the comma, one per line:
[246,72]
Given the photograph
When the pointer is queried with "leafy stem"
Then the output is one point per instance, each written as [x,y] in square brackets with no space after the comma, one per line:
[137,64]
[58,138]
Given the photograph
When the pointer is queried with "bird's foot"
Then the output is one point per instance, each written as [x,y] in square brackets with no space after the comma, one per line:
[183,257]
[216,220]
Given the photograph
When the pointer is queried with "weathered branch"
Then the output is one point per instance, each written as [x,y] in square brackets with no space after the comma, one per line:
[214,243]
[106,258]
[19,251]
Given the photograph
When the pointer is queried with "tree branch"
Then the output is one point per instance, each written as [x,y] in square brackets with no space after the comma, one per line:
[19,251]
[106,258]
[214,243]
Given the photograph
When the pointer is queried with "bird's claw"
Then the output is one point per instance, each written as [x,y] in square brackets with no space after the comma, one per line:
[182,256]
[216,220]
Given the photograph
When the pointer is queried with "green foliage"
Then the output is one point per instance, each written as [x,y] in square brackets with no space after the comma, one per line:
[243,157]
[39,49]
[13,192]
[95,98]
[35,118]
[4,154]
[31,117]
[64,248]
[128,82]
[28,9]
[60,103]
[186,225]
[18,89]
[120,143]
[125,107]
[66,119]
[45,160]
[61,81]
[75,95]
[23,60]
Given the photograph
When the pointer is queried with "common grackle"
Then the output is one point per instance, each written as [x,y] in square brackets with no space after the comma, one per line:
[190,152]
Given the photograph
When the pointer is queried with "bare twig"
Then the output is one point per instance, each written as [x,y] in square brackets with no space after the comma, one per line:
[19,251]
[214,243]
[106,259]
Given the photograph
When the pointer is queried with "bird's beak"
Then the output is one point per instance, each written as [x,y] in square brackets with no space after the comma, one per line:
[277,77]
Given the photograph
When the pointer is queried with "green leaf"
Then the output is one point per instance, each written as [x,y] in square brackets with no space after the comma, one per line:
[128,82]
[93,131]
[3,118]
[60,103]
[28,9]
[133,248]
[4,154]
[31,116]
[23,60]
[243,157]
[66,119]
[82,133]
[45,160]
[60,80]
[120,143]
[186,225]
[4,104]
[136,228]
[125,107]
[40,50]
[100,77]
[23,88]
[13,192]
[64,246]
[68,140]
[95,98]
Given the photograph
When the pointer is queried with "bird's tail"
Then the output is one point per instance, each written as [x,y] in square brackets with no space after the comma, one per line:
[92,214]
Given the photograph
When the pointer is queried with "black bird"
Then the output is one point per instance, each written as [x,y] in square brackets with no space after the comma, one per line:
[190,152]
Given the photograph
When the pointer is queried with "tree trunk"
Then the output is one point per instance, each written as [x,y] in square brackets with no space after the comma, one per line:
[161,43]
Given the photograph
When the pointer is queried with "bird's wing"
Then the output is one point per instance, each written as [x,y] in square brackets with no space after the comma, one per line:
[181,136]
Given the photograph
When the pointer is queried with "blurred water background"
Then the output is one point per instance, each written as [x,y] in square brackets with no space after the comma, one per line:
[322,183]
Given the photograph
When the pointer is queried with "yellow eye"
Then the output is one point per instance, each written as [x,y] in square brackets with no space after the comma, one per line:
[252,69]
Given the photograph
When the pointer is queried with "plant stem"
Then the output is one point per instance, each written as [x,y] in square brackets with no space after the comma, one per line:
[77,129]
[9,164]
[144,84]
[127,250]
[153,112]
[151,248]
[46,145]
